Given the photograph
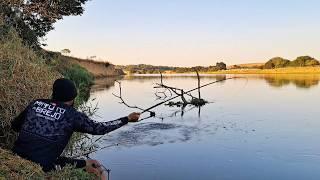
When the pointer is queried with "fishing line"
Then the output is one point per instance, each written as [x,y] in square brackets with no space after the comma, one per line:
[238,90]
[152,114]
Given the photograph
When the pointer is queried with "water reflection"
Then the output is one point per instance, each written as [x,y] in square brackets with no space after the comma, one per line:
[249,126]
[149,133]
[143,78]
[300,81]
[101,84]
[274,80]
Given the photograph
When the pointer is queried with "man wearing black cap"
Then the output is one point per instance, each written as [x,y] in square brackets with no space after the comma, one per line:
[46,126]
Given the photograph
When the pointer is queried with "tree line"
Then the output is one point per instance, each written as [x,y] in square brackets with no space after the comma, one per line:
[301,61]
[150,69]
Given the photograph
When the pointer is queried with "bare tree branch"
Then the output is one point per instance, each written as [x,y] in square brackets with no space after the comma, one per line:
[199,93]
[122,101]
[179,92]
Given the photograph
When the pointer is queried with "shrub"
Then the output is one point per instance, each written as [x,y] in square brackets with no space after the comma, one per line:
[221,66]
[83,80]
[277,62]
[304,61]
[79,75]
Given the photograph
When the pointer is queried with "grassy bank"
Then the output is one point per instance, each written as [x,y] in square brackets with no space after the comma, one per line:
[26,75]
[286,70]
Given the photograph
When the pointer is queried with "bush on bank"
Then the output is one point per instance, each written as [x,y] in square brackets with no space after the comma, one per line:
[83,80]
[301,61]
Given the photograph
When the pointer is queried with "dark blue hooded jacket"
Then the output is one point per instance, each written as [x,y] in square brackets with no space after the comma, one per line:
[45,128]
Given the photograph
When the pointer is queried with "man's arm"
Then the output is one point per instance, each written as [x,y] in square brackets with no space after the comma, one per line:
[90,165]
[82,123]
[17,123]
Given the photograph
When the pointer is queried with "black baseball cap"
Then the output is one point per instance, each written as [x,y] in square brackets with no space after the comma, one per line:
[64,90]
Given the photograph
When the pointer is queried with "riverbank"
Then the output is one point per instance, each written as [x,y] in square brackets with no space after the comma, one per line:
[98,69]
[286,70]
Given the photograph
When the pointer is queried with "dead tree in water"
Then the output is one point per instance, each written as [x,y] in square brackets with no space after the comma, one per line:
[196,101]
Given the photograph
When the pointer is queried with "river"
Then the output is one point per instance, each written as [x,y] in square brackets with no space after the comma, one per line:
[255,127]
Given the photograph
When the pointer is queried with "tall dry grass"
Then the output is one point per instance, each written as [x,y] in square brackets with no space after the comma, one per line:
[23,78]
[14,167]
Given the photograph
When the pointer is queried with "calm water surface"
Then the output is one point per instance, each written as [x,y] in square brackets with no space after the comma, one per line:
[256,127]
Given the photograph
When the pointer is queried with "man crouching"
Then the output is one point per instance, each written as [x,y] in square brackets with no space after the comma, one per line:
[46,126]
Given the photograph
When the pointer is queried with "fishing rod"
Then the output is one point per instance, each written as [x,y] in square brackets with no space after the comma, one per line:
[191,90]
[158,104]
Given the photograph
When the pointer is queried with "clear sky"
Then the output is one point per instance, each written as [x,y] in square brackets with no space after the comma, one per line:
[191,32]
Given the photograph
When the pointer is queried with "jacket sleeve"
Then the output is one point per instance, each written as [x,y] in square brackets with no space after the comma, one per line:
[17,123]
[82,123]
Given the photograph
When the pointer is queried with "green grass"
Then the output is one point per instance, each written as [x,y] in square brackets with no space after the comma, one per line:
[83,80]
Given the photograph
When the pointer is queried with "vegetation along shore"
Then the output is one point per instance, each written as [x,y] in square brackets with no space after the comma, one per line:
[277,65]
[27,72]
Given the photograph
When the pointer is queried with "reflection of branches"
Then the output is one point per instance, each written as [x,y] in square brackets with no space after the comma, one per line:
[162,95]
[182,111]
[300,81]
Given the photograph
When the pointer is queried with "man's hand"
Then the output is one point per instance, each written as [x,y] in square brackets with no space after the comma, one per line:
[134,117]
[93,166]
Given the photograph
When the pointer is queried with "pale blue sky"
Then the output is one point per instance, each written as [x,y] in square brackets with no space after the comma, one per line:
[191,32]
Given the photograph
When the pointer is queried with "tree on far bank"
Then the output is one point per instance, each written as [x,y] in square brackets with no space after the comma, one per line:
[65,51]
[221,66]
[276,62]
[304,61]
